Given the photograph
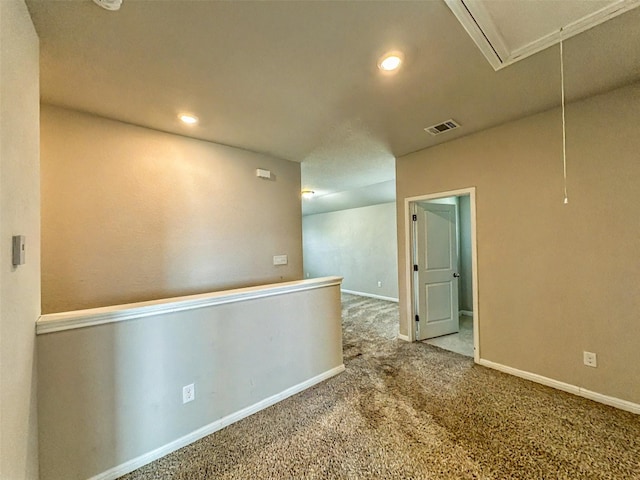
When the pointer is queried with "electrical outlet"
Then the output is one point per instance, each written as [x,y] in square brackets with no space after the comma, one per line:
[188,393]
[379,283]
[590,359]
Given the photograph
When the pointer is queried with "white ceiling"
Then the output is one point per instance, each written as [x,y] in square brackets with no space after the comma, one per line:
[298,80]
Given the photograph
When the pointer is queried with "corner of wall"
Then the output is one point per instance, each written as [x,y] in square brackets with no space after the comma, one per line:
[19,215]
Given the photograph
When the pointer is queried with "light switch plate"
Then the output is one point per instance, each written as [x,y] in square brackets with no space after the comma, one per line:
[280,260]
[18,250]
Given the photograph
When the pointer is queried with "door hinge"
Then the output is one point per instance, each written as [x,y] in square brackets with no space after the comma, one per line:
[415,268]
[417,318]
[414,217]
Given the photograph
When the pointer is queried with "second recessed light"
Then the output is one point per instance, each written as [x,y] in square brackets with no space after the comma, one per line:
[188,119]
[390,62]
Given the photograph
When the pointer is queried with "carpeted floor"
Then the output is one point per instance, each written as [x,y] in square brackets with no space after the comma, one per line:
[413,411]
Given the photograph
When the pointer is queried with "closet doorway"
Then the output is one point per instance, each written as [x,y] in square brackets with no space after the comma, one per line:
[443,271]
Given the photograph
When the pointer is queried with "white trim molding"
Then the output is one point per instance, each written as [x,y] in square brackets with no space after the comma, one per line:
[403,337]
[408,267]
[565,387]
[57,322]
[131,465]
[370,295]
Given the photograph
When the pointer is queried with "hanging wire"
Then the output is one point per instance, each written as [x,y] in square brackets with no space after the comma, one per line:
[564,127]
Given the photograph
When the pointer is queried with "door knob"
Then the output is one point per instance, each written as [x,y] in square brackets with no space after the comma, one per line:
[456,275]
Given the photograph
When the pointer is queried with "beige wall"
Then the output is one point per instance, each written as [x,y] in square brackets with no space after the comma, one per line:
[126,400]
[19,215]
[358,244]
[553,279]
[132,214]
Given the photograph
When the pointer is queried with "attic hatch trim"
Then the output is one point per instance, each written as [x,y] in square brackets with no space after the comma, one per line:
[478,23]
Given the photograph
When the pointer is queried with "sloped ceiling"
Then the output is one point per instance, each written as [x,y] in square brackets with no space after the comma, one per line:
[298,80]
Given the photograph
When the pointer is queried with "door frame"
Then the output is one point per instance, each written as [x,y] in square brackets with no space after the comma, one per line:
[408,267]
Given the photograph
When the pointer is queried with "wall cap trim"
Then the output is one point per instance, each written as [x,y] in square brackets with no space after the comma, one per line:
[566,387]
[57,322]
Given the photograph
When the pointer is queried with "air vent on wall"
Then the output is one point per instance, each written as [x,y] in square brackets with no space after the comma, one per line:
[442,127]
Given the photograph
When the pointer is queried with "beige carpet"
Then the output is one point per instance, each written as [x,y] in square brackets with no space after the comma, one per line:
[413,411]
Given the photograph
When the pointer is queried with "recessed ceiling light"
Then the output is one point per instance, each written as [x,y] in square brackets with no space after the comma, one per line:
[390,61]
[307,193]
[188,119]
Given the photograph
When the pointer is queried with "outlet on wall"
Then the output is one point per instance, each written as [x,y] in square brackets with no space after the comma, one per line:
[379,283]
[188,393]
[590,359]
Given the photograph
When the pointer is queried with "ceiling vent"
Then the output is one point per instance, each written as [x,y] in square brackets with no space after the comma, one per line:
[442,127]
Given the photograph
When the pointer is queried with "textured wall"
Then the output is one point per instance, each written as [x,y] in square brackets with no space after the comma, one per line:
[19,215]
[358,244]
[132,214]
[553,279]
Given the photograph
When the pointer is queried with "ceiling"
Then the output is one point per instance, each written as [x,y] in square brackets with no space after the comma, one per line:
[543,18]
[509,31]
[298,80]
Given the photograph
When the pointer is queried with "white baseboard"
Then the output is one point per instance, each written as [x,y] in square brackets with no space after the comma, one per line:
[370,295]
[566,387]
[404,337]
[467,313]
[131,465]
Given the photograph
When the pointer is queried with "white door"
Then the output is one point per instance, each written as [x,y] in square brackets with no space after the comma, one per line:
[436,258]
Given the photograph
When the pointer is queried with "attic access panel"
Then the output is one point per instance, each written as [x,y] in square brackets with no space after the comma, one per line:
[508,31]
